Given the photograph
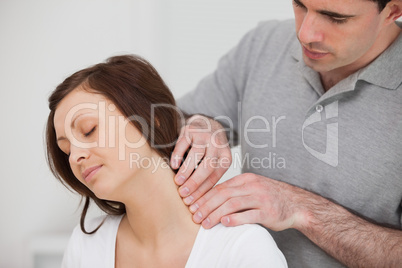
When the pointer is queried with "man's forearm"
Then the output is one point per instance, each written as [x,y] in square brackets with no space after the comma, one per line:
[347,237]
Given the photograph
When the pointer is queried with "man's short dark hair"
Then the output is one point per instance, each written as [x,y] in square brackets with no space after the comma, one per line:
[381,3]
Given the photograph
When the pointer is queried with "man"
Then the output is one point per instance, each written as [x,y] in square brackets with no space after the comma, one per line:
[317,111]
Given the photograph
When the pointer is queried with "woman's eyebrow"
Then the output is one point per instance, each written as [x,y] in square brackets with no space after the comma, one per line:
[62,138]
[72,125]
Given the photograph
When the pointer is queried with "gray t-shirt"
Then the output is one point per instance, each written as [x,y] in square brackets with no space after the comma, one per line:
[343,144]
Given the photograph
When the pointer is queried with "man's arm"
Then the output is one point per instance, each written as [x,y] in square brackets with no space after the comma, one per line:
[250,198]
[352,240]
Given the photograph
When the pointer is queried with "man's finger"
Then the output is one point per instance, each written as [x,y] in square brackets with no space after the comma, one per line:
[239,218]
[207,185]
[204,170]
[216,199]
[192,160]
[232,205]
[233,182]
[181,147]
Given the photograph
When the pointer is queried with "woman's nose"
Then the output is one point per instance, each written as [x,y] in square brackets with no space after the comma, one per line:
[78,154]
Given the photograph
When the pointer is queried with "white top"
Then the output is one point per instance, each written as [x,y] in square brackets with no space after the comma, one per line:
[247,245]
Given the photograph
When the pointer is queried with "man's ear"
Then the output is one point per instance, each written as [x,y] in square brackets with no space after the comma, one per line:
[394,10]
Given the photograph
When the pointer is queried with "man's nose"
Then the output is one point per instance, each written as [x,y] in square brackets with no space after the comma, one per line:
[310,30]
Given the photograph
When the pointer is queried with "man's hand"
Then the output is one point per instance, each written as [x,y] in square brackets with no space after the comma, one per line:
[250,198]
[207,160]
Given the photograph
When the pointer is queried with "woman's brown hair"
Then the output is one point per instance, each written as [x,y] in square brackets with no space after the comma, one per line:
[134,86]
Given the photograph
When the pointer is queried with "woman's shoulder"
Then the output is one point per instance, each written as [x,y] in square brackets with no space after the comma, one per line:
[100,243]
[240,234]
[106,223]
[241,230]
[248,245]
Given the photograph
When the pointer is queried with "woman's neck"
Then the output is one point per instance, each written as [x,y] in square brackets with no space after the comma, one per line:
[155,214]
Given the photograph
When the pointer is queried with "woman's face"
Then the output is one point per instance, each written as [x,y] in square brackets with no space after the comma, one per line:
[106,152]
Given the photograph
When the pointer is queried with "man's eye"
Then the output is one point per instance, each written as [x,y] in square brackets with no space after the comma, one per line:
[90,132]
[338,20]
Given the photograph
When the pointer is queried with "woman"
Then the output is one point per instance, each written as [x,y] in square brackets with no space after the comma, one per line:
[110,133]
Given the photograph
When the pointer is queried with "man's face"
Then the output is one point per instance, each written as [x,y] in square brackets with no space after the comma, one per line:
[336,34]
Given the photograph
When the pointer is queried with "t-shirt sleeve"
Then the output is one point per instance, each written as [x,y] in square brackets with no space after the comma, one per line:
[72,254]
[256,248]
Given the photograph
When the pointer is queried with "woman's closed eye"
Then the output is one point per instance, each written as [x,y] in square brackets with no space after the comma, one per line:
[87,134]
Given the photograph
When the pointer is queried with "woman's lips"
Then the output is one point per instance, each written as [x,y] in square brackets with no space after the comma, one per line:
[90,172]
[313,55]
